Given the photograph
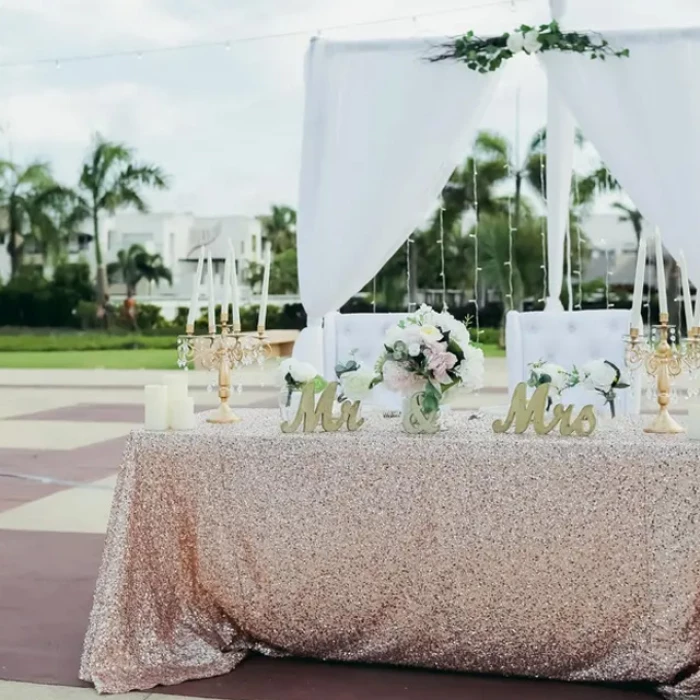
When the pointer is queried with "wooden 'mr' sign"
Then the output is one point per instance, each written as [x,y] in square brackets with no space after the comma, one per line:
[311,412]
[524,413]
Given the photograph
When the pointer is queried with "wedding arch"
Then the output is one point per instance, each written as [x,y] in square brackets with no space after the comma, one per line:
[377,152]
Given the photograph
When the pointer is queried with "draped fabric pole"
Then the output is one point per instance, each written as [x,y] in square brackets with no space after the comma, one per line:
[560,162]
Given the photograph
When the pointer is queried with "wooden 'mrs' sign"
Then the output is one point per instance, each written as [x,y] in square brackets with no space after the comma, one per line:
[311,412]
[525,413]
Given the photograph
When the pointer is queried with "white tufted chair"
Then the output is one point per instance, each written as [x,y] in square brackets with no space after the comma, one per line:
[363,333]
[569,338]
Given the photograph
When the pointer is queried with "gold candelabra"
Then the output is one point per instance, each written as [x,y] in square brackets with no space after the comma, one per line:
[664,358]
[223,352]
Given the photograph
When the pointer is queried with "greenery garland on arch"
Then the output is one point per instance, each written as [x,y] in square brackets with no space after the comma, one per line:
[486,55]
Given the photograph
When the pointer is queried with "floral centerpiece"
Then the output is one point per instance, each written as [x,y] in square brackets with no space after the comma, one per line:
[293,376]
[429,353]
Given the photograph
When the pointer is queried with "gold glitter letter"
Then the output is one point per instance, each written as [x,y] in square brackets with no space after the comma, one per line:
[525,412]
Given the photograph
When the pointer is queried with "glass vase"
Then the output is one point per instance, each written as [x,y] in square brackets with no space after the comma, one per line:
[288,401]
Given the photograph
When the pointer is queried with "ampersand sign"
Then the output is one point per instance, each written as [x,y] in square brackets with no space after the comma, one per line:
[416,421]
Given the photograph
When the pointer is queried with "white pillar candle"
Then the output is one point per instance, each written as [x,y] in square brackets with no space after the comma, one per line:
[660,274]
[235,298]
[636,318]
[182,414]
[156,407]
[176,382]
[693,425]
[196,288]
[696,318]
[262,315]
[211,295]
[687,302]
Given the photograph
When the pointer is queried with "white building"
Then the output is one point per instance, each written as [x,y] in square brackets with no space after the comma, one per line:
[178,238]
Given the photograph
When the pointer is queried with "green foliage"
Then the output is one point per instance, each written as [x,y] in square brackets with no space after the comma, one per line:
[279,227]
[62,342]
[486,55]
[136,264]
[30,300]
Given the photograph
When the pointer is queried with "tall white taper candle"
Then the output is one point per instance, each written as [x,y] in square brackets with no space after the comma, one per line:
[196,287]
[660,274]
[687,301]
[235,298]
[227,289]
[210,292]
[262,315]
[636,319]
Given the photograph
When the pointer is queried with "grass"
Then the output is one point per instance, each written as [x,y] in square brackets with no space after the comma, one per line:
[156,358]
[92,359]
[56,342]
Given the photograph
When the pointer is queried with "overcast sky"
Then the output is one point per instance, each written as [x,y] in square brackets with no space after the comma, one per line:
[226,124]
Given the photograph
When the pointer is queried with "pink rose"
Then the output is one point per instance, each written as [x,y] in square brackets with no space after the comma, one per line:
[440,363]
[398,379]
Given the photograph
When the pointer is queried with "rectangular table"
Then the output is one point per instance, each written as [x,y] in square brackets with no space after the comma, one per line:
[566,558]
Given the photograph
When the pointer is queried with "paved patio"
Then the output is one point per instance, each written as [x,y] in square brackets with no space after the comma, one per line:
[61,438]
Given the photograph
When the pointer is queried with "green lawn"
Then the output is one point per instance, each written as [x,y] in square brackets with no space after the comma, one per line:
[91,359]
[116,359]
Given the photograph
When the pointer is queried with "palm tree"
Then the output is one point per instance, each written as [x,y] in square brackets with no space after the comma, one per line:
[28,195]
[633,215]
[110,180]
[280,228]
[136,264]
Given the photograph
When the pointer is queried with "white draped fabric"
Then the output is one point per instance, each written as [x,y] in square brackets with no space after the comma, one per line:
[643,116]
[560,163]
[384,129]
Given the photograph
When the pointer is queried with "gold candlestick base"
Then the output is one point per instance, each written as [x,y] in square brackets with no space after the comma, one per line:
[224,414]
[664,423]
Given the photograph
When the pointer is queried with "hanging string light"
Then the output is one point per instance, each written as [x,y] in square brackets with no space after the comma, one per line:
[410,304]
[569,283]
[511,230]
[475,236]
[576,198]
[374,295]
[606,278]
[226,44]
[543,233]
[443,277]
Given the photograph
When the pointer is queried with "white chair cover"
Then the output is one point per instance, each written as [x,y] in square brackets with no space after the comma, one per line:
[569,338]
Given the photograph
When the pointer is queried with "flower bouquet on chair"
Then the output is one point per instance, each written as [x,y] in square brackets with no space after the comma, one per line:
[425,356]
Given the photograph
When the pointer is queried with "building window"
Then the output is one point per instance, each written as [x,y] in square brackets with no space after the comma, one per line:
[253,245]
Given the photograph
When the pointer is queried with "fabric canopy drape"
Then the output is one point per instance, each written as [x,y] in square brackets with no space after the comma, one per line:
[384,128]
[642,113]
[561,132]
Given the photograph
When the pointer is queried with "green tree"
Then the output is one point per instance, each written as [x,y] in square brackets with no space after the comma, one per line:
[110,180]
[284,277]
[633,216]
[279,227]
[136,264]
[28,196]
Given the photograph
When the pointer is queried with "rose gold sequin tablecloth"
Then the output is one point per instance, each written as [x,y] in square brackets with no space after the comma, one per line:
[567,558]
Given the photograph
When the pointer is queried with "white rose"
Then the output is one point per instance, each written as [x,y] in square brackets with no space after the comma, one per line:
[598,375]
[515,42]
[471,370]
[414,349]
[355,385]
[283,371]
[559,377]
[302,372]
[430,333]
[531,42]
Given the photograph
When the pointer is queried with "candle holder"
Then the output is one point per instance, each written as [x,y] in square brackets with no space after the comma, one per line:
[224,352]
[664,358]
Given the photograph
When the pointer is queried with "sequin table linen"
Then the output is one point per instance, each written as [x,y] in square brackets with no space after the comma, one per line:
[566,558]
